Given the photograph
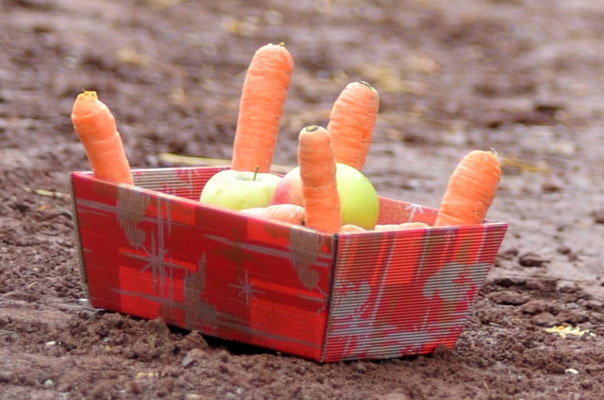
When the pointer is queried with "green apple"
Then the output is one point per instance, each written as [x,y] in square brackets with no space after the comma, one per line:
[239,190]
[359,204]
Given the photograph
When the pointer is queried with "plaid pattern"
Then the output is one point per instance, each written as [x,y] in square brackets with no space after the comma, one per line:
[153,250]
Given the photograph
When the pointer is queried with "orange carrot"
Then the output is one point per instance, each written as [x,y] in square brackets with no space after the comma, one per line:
[387,227]
[261,105]
[351,123]
[414,225]
[289,213]
[351,228]
[95,125]
[470,190]
[401,227]
[318,173]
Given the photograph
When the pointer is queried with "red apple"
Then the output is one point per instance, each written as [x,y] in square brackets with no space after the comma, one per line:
[359,202]
[289,189]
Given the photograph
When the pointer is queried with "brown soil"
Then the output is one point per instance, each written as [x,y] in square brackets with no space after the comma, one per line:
[523,77]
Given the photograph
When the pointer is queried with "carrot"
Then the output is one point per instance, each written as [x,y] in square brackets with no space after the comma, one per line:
[319,186]
[260,108]
[471,190]
[289,213]
[351,123]
[401,227]
[95,125]
[414,225]
[351,228]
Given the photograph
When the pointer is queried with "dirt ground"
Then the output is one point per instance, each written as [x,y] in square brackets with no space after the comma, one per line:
[525,78]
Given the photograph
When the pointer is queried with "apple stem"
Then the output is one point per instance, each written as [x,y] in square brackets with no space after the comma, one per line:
[256,172]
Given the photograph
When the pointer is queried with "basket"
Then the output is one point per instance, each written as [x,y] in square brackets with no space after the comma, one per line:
[152,250]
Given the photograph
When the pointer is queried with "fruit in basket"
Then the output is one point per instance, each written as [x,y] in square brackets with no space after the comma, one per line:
[359,203]
[239,190]
[289,213]
[289,190]
[350,228]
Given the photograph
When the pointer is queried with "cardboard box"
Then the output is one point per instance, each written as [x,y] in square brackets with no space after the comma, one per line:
[153,250]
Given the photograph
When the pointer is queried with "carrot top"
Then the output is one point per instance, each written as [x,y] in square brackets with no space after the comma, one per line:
[318,174]
[262,98]
[471,190]
[351,123]
[95,125]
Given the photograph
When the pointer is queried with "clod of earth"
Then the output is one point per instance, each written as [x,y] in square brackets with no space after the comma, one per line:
[531,260]
[598,216]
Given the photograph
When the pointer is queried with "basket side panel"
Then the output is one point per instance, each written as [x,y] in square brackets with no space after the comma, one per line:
[405,292]
[150,254]
[181,182]
[83,274]
[396,212]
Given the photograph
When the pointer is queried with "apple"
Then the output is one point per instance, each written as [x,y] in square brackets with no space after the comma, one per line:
[289,190]
[359,204]
[239,190]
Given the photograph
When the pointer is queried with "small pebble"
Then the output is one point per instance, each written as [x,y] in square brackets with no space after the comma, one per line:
[554,368]
[509,254]
[49,383]
[531,260]
[598,216]
[545,319]
[191,341]
[587,384]
[509,298]
[6,376]
[566,286]
[134,387]
[551,186]
[564,250]
[193,357]
[158,325]
[224,356]
[508,282]
[534,307]
[360,367]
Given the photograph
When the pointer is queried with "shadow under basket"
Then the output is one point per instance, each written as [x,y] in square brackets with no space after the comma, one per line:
[152,250]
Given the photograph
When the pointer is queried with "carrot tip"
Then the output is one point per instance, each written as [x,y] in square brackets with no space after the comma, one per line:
[90,94]
[312,128]
[366,84]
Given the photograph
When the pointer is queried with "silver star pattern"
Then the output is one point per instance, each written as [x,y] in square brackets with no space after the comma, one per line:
[414,208]
[247,289]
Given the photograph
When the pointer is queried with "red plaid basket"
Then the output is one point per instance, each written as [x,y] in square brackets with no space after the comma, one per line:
[153,250]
